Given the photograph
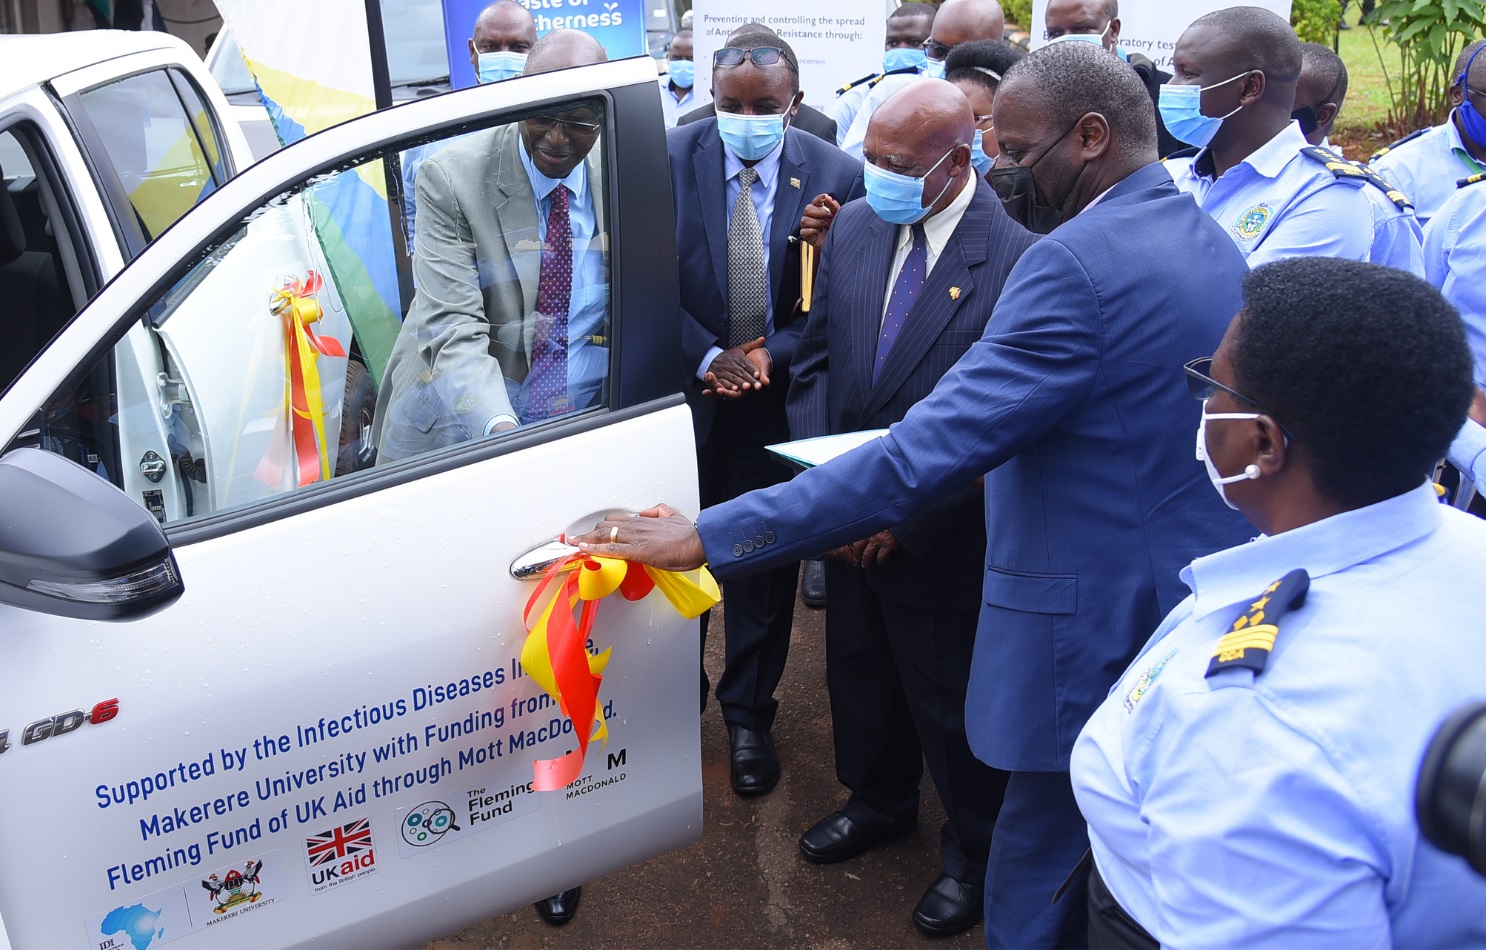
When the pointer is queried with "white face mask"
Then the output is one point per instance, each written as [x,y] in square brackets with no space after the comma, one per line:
[1250,471]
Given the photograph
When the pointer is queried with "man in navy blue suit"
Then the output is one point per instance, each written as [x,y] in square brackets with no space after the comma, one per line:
[741,182]
[898,301]
[1074,406]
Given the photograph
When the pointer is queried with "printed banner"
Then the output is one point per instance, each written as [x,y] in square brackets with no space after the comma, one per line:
[618,24]
[307,86]
[1152,27]
[836,41]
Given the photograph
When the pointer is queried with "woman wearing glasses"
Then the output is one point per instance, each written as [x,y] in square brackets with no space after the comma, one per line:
[1249,780]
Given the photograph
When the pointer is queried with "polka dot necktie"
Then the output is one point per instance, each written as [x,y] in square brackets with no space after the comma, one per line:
[548,379]
[748,279]
[906,292]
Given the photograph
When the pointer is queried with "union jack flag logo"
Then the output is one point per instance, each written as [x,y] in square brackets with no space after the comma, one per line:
[338,842]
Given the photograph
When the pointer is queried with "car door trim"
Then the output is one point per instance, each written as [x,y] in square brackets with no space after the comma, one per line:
[377,479]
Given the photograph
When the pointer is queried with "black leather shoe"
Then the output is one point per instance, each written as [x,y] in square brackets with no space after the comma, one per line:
[560,907]
[949,907]
[837,838]
[754,763]
[813,584]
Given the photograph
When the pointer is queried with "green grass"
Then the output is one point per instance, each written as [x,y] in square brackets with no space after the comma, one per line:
[1362,127]
[1367,95]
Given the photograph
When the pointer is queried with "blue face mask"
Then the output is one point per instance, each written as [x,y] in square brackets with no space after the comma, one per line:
[1470,117]
[683,73]
[899,199]
[978,156]
[1096,38]
[901,57]
[751,137]
[934,69]
[494,67]
[1181,110]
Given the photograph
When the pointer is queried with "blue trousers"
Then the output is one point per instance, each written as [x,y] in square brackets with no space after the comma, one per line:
[1040,837]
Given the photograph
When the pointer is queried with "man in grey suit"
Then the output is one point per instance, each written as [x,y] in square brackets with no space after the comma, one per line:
[509,322]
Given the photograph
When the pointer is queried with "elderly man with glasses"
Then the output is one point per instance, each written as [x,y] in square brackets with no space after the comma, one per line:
[479,354]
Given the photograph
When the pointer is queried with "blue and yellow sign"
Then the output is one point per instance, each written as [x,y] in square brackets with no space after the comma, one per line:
[618,24]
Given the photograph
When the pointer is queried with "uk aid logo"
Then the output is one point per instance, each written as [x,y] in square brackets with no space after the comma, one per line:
[340,854]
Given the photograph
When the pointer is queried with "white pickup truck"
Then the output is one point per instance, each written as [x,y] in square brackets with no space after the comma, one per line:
[247,702]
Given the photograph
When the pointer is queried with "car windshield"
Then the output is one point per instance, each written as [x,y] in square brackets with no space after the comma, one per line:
[415,48]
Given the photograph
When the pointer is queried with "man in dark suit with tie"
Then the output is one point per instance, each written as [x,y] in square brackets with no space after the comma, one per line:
[1075,408]
[897,303]
[741,182]
[805,118]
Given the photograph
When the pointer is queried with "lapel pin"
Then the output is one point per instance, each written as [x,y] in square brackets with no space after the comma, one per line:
[795,182]
[954,293]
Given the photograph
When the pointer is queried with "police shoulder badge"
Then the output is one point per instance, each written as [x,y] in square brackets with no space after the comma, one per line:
[1147,679]
[1250,640]
[1252,222]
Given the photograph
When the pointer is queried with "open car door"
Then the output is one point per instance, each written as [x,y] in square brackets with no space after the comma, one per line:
[328,737]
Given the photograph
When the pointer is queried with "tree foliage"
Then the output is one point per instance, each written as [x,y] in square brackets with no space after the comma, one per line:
[1428,35]
[1315,20]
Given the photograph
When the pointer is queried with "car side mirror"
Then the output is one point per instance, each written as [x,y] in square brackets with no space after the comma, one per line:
[73,545]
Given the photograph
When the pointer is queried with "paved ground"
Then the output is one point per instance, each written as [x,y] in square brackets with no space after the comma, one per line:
[744,882]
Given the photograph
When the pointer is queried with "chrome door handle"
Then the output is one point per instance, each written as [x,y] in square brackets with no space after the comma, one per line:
[535,562]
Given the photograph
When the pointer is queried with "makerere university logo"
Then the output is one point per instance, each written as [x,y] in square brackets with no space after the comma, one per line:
[340,855]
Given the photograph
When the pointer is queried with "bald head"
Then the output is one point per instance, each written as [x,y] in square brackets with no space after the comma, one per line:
[503,27]
[1248,38]
[924,131]
[564,49]
[966,21]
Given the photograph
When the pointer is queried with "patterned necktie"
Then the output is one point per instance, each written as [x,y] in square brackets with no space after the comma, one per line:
[548,379]
[905,294]
[748,279]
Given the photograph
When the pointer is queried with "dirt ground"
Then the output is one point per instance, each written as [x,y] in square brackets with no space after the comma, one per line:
[744,883]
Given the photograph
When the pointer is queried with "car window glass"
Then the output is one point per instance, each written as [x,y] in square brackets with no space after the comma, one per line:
[228,68]
[201,121]
[283,358]
[152,146]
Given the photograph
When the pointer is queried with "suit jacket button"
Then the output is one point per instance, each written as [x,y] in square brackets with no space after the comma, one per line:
[747,545]
[737,550]
[768,537]
[758,540]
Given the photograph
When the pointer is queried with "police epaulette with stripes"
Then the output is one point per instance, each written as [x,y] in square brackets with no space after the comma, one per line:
[856,82]
[1251,638]
[1388,148]
[1471,180]
[1342,168]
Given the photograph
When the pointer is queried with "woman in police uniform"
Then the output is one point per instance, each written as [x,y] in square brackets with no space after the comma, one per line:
[1249,780]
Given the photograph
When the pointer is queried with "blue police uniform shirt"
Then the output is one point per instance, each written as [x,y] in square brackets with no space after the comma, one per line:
[1397,236]
[674,107]
[851,142]
[1280,203]
[1468,453]
[1278,810]
[1426,168]
[844,108]
[763,193]
[588,306]
[1455,262]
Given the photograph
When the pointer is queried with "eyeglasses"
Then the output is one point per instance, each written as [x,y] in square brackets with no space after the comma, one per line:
[1202,386]
[542,124]
[761,55]
[936,50]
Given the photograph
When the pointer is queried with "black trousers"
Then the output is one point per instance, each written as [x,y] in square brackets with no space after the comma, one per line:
[758,610]
[897,675]
[1110,926]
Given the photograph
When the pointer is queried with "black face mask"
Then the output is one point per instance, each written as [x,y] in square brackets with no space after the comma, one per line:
[1306,116]
[1018,193]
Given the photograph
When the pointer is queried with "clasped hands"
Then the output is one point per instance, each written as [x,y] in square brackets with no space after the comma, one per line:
[738,370]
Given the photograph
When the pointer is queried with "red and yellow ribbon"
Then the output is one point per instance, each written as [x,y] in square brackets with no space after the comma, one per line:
[296,301]
[555,653]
